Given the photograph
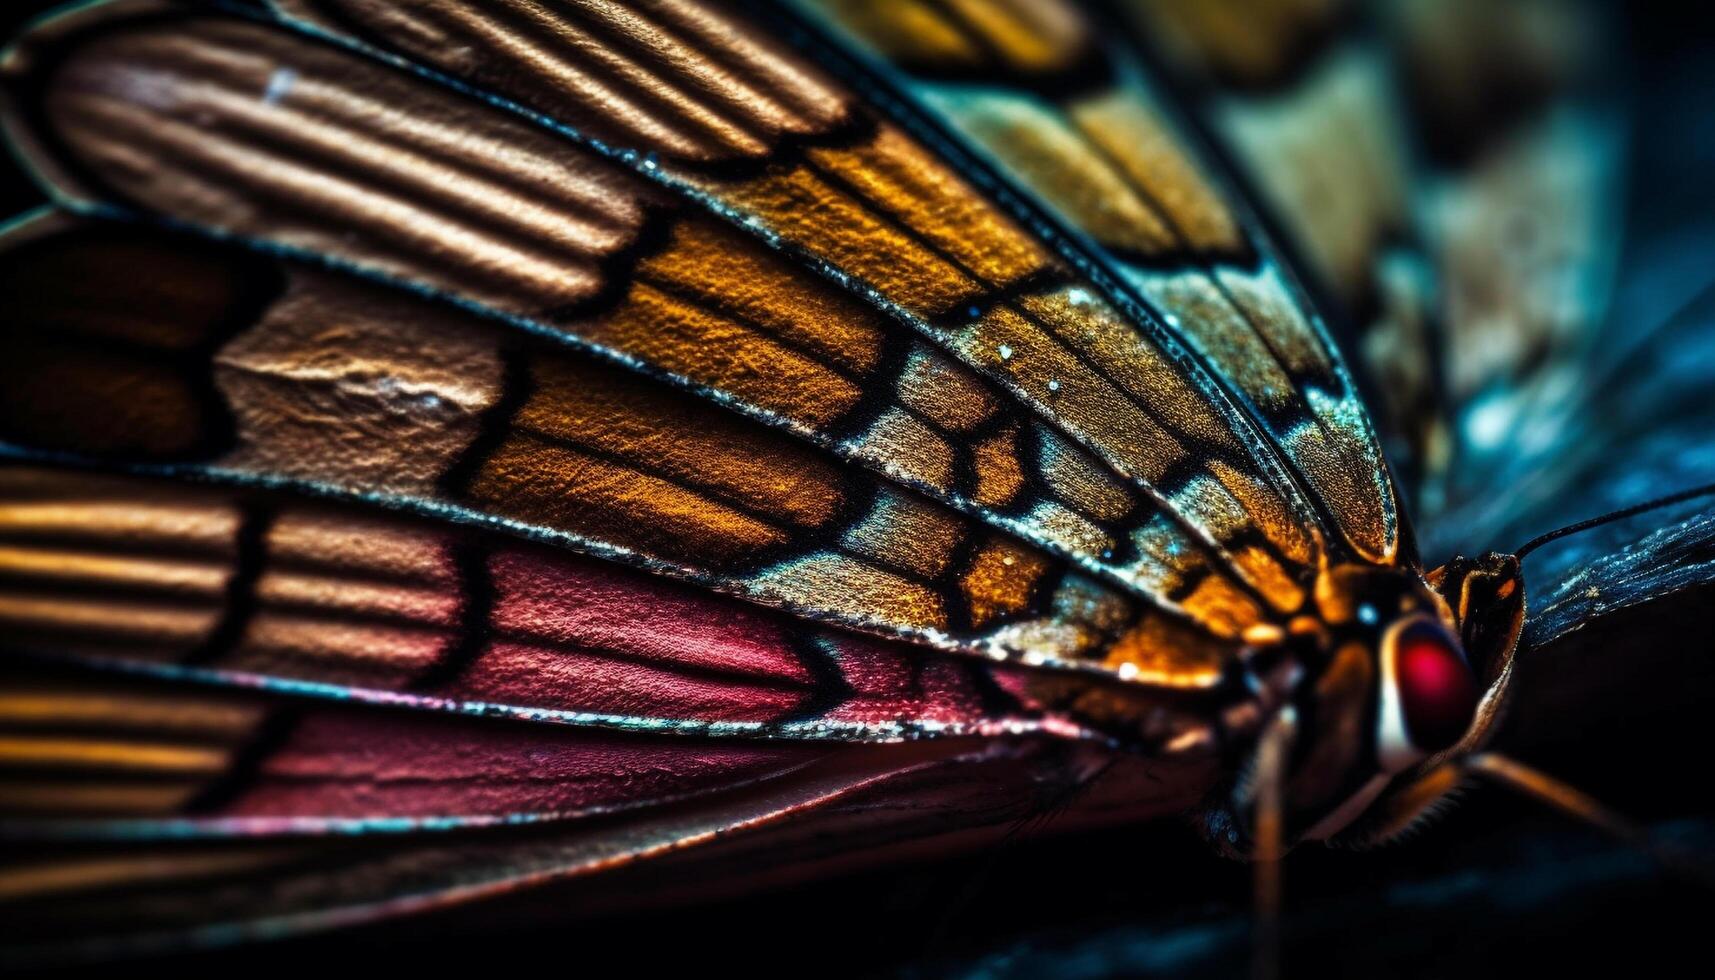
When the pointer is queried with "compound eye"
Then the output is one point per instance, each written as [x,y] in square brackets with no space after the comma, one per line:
[1437,694]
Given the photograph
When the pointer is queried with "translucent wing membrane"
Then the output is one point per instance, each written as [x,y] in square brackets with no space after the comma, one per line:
[1615,609]
[1643,425]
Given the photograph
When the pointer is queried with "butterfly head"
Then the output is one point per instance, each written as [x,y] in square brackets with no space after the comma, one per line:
[1392,678]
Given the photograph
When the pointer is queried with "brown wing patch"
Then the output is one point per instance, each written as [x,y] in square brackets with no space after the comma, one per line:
[1109,163]
[898,177]
[1140,145]
[134,346]
[1053,374]
[254,131]
[903,532]
[920,241]
[641,467]
[733,273]
[1000,580]
[573,491]
[672,76]
[328,385]
[999,475]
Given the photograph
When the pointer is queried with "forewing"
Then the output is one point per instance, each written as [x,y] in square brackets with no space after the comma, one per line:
[636,256]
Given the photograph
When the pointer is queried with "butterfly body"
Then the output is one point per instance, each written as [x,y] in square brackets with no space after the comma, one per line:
[451,448]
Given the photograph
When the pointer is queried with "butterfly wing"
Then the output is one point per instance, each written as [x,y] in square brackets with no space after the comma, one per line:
[289,836]
[1568,406]
[1492,168]
[1647,431]
[591,373]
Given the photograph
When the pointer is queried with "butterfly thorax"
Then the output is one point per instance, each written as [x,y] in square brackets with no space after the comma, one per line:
[1381,683]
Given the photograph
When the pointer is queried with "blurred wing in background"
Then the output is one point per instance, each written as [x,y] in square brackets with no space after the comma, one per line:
[1451,174]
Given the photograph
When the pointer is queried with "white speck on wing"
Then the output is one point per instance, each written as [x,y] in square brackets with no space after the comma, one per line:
[279,85]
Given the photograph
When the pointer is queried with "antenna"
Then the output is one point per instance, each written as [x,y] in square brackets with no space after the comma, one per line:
[1618,515]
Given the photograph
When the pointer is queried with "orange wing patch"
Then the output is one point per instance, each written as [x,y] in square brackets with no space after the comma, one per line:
[1095,146]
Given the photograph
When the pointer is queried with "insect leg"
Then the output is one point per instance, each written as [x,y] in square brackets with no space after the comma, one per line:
[1539,786]
[1272,754]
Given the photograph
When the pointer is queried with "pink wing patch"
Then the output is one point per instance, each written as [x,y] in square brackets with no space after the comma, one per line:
[357,764]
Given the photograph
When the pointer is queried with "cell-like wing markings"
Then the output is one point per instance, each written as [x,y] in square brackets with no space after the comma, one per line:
[1175,563]
[871,206]
[260,691]
[341,385]
[1075,121]
[588,303]
[246,590]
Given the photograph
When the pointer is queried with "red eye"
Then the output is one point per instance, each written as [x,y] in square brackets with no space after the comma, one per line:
[1437,693]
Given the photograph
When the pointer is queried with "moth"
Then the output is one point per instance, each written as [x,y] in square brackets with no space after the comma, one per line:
[451,448]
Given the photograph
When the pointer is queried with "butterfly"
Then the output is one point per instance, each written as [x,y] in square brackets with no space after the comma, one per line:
[452,448]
